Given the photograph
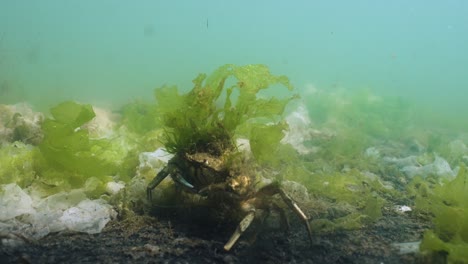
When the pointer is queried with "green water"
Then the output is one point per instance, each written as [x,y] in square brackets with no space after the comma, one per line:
[381,121]
[108,52]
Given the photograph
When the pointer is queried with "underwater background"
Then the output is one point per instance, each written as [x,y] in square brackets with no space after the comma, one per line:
[116,51]
[357,109]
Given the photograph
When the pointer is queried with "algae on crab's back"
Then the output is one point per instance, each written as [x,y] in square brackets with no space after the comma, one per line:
[198,119]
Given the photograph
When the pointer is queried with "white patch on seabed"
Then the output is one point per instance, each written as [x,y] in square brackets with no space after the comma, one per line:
[154,159]
[114,187]
[102,125]
[299,130]
[402,208]
[372,152]
[407,247]
[14,202]
[89,216]
[37,217]
[243,145]
[411,167]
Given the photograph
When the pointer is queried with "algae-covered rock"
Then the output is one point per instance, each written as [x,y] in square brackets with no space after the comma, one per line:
[20,123]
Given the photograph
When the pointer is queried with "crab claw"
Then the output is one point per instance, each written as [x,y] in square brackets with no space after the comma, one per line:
[181,180]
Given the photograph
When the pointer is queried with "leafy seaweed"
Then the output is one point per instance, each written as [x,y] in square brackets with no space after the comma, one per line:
[139,117]
[17,163]
[67,146]
[449,205]
[353,199]
[207,117]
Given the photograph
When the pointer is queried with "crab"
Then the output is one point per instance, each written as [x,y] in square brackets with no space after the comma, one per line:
[227,179]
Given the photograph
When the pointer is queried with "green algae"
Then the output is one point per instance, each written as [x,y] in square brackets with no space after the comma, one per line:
[352,199]
[264,138]
[70,158]
[358,197]
[448,203]
[208,118]
[139,117]
[222,107]
[67,146]
[379,117]
[18,163]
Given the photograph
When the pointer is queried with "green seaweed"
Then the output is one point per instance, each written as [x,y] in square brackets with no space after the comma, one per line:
[358,121]
[66,144]
[353,199]
[221,106]
[17,163]
[139,117]
[205,119]
[379,117]
[263,137]
[70,156]
[448,203]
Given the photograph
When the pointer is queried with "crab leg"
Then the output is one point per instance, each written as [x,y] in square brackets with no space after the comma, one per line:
[283,217]
[155,182]
[293,205]
[243,225]
[273,189]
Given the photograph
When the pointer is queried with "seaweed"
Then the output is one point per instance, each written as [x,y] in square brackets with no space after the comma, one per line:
[207,118]
[359,198]
[139,117]
[70,156]
[358,120]
[17,163]
[352,198]
[221,106]
[448,203]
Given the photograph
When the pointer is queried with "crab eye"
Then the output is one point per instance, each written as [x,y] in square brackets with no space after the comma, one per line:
[206,162]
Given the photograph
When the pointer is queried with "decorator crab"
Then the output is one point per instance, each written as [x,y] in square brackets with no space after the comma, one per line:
[200,130]
[226,180]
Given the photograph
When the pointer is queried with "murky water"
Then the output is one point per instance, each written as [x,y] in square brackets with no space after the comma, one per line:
[113,52]
[380,124]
